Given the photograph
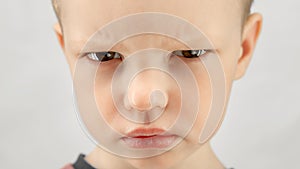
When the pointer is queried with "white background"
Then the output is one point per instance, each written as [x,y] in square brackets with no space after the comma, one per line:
[38,124]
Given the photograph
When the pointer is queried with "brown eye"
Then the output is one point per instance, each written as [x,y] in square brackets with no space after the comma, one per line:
[104,56]
[190,53]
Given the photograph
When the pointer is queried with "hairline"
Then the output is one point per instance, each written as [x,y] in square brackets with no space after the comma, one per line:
[246,8]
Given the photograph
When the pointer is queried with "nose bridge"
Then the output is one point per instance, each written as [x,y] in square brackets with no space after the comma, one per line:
[147,41]
[148,87]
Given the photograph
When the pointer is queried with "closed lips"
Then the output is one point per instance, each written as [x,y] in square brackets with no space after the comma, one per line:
[148,138]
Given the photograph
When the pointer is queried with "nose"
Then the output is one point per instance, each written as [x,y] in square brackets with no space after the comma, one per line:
[148,90]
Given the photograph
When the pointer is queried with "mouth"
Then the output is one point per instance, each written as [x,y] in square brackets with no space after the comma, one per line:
[143,138]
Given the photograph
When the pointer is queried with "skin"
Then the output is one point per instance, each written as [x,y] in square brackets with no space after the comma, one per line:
[209,16]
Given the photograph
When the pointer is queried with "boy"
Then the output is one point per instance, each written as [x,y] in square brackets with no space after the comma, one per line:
[143,97]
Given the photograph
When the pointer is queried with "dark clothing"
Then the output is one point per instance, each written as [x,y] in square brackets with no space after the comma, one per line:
[82,164]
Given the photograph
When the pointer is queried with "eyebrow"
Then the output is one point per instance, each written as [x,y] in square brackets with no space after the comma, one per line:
[118,30]
[166,44]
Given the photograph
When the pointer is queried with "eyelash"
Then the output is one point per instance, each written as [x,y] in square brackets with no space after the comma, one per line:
[190,53]
[110,55]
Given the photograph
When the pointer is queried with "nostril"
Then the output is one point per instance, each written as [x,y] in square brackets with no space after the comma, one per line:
[158,99]
[138,100]
[126,103]
[154,99]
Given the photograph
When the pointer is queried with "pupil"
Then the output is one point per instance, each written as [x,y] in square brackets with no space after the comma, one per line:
[187,53]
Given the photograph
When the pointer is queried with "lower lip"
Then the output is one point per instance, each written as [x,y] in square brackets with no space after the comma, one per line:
[158,141]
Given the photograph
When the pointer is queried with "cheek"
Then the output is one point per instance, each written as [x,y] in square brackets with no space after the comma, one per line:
[205,92]
[103,94]
[228,59]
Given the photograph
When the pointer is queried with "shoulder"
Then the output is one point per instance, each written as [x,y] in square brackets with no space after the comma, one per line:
[68,166]
[80,163]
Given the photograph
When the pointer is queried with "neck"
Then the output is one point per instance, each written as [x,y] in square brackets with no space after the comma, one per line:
[203,158]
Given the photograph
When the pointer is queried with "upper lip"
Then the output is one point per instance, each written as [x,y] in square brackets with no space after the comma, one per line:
[145,132]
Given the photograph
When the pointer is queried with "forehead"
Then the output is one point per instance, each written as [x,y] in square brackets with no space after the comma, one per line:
[218,19]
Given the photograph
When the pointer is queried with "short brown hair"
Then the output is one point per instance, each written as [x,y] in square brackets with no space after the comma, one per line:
[56,9]
[247,8]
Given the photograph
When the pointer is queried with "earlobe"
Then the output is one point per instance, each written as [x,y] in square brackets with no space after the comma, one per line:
[59,35]
[251,32]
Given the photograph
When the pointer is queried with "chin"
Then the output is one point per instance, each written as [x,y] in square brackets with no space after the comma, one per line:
[158,162]
[166,160]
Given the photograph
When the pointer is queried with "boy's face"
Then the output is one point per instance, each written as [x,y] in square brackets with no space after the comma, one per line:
[222,23]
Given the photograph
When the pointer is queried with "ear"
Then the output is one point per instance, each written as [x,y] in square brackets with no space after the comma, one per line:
[251,32]
[59,35]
